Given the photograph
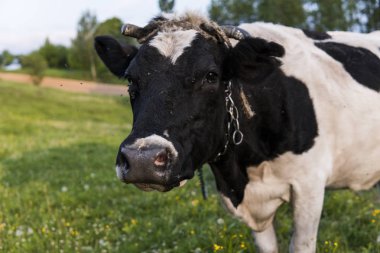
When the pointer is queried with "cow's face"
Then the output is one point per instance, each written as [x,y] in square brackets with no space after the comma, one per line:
[178,101]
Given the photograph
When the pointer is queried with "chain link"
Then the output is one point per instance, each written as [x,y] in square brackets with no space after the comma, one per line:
[233,120]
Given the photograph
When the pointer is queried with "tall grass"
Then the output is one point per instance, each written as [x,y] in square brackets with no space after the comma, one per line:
[59,192]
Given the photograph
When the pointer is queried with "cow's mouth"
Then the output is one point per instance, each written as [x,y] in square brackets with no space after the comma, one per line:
[157,187]
[151,187]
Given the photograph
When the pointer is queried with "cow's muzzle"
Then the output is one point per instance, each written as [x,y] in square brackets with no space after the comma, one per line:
[148,164]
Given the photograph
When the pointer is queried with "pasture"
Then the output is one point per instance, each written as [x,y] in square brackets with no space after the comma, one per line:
[59,191]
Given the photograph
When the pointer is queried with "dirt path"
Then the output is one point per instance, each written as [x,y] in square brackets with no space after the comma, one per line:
[70,84]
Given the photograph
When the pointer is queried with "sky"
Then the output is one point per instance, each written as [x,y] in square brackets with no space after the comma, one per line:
[25,24]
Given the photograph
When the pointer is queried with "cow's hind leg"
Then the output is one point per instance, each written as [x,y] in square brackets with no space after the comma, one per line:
[265,241]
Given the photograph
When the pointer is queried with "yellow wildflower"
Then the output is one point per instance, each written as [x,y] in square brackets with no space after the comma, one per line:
[217,247]
[2,226]
[74,232]
[242,245]
[375,212]
[44,230]
[133,221]
[373,221]
[195,202]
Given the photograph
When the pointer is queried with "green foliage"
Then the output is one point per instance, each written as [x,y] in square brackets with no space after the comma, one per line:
[110,27]
[59,192]
[82,54]
[286,12]
[166,5]
[6,58]
[232,12]
[356,15]
[36,65]
[371,10]
[55,55]
[328,15]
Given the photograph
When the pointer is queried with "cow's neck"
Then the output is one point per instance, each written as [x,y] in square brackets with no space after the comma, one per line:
[284,121]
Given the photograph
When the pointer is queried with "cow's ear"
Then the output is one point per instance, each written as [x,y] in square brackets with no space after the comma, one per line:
[114,55]
[254,58]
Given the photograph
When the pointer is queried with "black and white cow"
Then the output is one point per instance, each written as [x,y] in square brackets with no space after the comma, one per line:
[306,106]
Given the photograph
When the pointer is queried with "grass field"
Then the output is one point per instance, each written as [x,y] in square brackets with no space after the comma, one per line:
[59,192]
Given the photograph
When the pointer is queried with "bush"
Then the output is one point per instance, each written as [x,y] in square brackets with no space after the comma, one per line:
[36,65]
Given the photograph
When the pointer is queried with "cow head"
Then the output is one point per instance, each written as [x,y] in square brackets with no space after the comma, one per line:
[177,81]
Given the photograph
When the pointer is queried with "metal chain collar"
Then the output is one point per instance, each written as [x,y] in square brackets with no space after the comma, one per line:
[233,121]
[237,135]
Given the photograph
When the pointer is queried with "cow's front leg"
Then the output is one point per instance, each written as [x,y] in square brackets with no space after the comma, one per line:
[307,209]
[265,241]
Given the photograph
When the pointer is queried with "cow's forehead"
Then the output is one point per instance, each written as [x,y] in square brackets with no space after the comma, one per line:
[172,44]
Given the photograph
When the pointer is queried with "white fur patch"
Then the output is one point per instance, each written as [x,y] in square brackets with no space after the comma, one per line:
[182,183]
[154,140]
[119,172]
[173,44]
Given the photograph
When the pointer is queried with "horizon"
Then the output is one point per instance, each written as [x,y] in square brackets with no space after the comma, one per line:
[58,21]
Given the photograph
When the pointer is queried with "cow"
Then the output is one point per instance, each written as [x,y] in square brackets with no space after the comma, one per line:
[279,113]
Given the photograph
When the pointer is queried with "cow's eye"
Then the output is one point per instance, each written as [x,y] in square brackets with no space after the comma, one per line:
[211,77]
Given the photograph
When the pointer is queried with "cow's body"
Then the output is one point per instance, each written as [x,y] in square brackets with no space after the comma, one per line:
[316,125]
[346,153]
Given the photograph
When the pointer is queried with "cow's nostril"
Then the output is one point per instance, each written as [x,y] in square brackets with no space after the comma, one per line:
[161,159]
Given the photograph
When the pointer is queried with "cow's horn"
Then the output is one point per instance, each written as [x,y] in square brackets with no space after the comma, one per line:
[235,32]
[132,31]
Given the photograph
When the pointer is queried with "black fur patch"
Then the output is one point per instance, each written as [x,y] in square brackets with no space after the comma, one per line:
[360,63]
[316,35]
[285,119]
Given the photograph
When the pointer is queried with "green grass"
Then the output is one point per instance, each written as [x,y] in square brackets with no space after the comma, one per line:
[59,192]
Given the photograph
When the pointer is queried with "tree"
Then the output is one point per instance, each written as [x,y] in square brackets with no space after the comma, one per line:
[286,12]
[82,54]
[233,12]
[36,64]
[55,55]
[110,27]
[329,15]
[6,58]
[166,5]
[371,10]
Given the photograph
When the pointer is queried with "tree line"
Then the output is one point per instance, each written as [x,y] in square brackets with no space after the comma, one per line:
[80,57]
[319,15]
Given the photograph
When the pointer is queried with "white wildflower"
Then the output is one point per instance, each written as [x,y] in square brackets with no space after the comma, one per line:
[220,221]
[19,232]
